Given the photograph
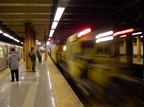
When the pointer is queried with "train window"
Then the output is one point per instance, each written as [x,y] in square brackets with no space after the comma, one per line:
[87,44]
[1,52]
[104,48]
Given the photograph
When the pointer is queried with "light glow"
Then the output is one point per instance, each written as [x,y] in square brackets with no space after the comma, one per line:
[104,39]
[123,32]
[123,36]
[84,32]
[47,42]
[137,33]
[59,13]
[54,25]
[104,34]
[38,42]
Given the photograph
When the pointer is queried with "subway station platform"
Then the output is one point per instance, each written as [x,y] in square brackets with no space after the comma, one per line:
[44,88]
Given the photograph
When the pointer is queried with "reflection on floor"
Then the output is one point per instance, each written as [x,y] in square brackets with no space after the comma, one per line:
[33,89]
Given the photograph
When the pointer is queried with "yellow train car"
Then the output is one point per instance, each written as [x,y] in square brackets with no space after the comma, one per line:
[95,64]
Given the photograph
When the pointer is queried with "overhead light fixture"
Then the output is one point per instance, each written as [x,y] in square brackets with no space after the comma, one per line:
[16,40]
[7,35]
[54,25]
[11,37]
[51,33]
[1,31]
[59,13]
[57,17]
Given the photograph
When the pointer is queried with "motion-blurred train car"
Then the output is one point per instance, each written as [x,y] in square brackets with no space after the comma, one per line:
[103,65]
[5,50]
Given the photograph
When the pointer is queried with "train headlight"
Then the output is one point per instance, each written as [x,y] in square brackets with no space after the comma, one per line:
[64,48]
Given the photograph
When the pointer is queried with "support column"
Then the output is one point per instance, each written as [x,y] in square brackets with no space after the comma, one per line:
[129,49]
[125,50]
[27,45]
[125,47]
[24,55]
[143,56]
[139,48]
[31,37]
[34,40]
[116,47]
[45,41]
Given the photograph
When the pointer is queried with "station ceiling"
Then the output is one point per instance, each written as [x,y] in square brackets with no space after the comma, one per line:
[78,15]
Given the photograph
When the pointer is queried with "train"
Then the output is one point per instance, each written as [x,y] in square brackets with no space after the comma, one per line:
[106,66]
[5,50]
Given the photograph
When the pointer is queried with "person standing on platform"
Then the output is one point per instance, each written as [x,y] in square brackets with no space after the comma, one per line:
[13,59]
[33,59]
[39,55]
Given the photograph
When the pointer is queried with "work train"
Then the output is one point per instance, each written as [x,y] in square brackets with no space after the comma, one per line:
[5,50]
[105,66]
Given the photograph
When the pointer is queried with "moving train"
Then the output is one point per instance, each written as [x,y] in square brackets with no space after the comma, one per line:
[105,66]
[5,50]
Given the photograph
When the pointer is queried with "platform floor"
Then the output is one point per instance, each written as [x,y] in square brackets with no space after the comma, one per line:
[36,89]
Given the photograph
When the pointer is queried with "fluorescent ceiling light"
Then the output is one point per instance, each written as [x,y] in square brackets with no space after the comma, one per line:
[1,31]
[16,40]
[57,17]
[59,13]
[54,25]
[104,34]
[51,33]
[7,35]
